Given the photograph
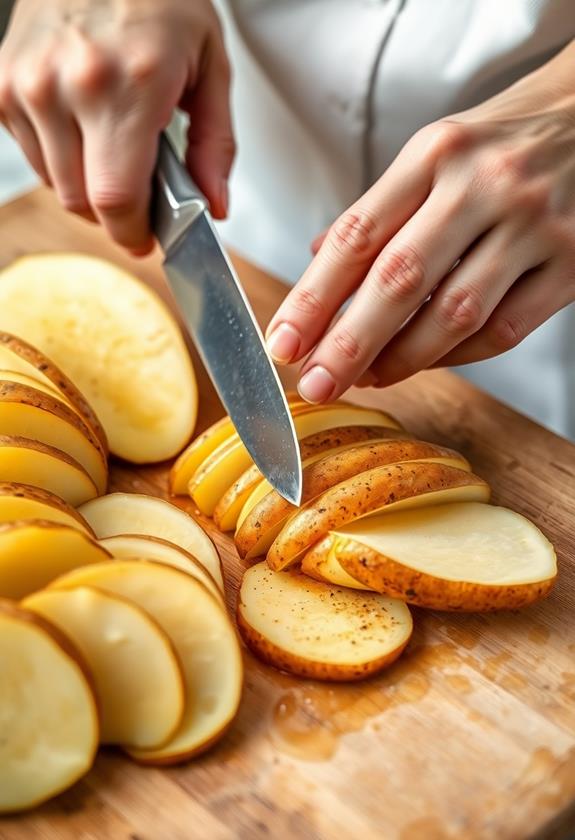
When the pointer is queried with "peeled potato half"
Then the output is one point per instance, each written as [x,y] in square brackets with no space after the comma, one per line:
[48,712]
[27,461]
[467,556]
[137,673]
[115,339]
[319,631]
[414,484]
[35,552]
[203,636]
[264,521]
[138,547]
[20,502]
[131,513]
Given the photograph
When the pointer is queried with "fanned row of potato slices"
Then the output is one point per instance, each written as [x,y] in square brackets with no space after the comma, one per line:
[386,522]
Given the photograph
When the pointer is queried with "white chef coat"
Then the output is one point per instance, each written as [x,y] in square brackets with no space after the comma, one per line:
[327,92]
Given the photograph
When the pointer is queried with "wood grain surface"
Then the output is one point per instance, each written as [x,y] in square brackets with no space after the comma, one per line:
[470,735]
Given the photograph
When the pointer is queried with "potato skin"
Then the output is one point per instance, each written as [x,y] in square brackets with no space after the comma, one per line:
[275,656]
[38,494]
[322,475]
[388,577]
[358,496]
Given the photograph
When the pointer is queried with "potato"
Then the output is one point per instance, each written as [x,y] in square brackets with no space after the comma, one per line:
[23,502]
[131,513]
[204,638]
[321,563]
[319,631]
[387,488]
[116,340]
[35,552]
[32,414]
[17,355]
[30,462]
[263,523]
[42,750]
[226,463]
[137,674]
[137,547]
[468,556]
[230,505]
[40,385]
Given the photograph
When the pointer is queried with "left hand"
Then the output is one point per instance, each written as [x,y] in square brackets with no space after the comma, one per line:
[463,247]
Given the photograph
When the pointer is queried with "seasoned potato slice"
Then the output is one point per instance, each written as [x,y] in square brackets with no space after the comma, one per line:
[137,674]
[415,484]
[319,631]
[42,750]
[469,556]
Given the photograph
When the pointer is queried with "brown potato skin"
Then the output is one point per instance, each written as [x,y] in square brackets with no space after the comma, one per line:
[38,494]
[387,576]
[330,471]
[58,378]
[275,656]
[363,493]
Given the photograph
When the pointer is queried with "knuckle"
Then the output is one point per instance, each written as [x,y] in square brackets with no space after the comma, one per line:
[352,235]
[346,345]
[308,303]
[460,311]
[36,87]
[112,202]
[506,332]
[398,275]
[445,138]
[142,66]
[503,171]
[91,73]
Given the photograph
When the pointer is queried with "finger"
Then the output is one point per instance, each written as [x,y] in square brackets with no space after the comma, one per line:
[211,145]
[462,303]
[349,248]
[318,242]
[17,123]
[531,302]
[399,281]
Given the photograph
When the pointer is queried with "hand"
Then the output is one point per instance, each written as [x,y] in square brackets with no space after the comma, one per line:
[464,246]
[86,87]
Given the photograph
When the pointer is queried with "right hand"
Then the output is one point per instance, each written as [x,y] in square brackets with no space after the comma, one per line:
[86,88]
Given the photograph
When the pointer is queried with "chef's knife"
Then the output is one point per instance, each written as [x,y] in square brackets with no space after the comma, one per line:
[220,320]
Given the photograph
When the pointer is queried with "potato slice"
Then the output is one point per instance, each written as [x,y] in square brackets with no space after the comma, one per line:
[398,486]
[31,382]
[471,557]
[17,355]
[265,520]
[137,547]
[204,638]
[314,446]
[136,670]
[226,463]
[30,413]
[48,713]
[19,502]
[30,462]
[117,341]
[321,563]
[319,631]
[131,513]
[34,553]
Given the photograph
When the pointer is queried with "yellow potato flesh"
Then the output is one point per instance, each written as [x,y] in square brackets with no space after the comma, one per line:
[19,507]
[325,567]
[136,671]
[34,382]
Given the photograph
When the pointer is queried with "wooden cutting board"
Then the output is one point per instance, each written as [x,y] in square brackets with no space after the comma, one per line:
[470,735]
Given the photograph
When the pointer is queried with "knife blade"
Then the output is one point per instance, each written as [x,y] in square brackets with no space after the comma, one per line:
[222,325]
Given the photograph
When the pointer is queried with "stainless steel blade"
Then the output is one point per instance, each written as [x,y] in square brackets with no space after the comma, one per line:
[230,343]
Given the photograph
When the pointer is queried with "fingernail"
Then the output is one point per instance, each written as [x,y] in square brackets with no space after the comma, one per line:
[284,343]
[225,197]
[317,385]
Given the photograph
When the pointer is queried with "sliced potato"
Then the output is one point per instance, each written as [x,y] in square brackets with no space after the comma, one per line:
[321,563]
[398,486]
[30,462]
[34,553]
[137,547]
[231,504]
[471,557]
[19,502]
[117,341]
[17,355]
[48,713]
[319,631]
[266,518]
[226,463]
[131,513]
[204,638]
[30,381]
[32,414]
[137,673]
